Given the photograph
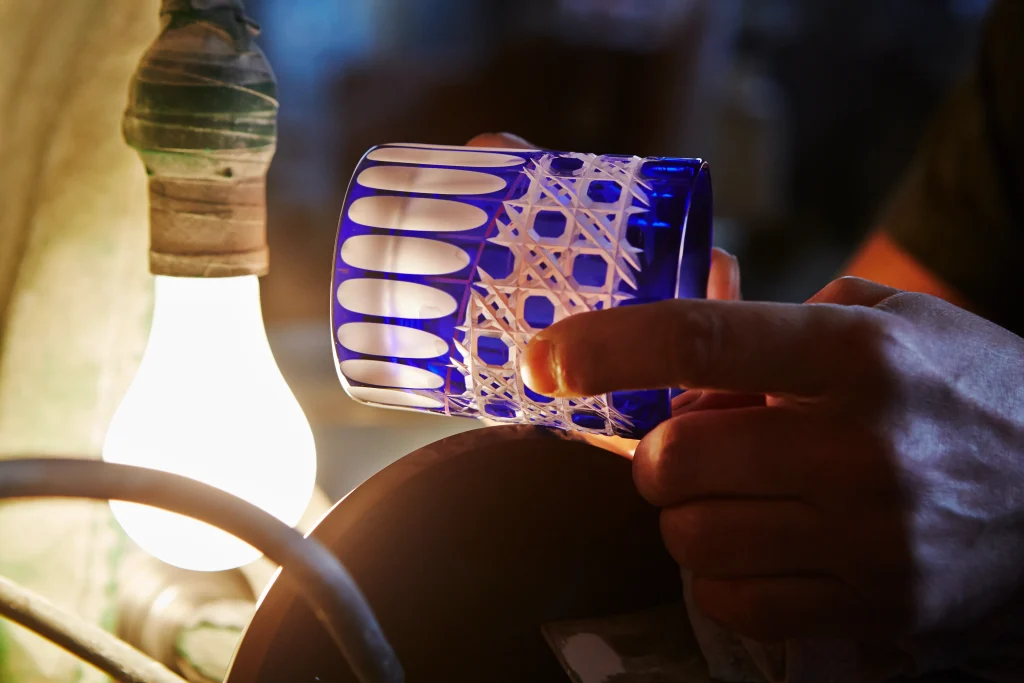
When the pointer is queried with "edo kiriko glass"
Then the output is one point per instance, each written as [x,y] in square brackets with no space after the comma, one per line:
[450,259]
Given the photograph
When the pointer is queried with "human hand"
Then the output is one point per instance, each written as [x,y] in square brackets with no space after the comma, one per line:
[871,484]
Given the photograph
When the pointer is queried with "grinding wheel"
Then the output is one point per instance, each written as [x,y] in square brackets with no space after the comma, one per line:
[464,549]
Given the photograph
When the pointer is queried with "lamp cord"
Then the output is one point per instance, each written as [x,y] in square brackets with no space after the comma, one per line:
[313,571]
[91,644]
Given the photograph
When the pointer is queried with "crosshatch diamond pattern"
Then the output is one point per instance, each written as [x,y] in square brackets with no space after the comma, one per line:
[477,250]
[581,269]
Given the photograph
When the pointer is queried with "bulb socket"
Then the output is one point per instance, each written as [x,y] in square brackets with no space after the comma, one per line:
[202,115]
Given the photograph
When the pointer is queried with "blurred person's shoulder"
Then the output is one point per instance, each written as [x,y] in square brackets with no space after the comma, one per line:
[960,210]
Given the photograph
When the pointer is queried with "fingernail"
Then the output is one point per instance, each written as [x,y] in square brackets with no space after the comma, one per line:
[685,400]
[540,367]
[735,262]
[735,277]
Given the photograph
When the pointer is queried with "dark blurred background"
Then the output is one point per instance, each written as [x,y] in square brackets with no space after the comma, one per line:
[808,111]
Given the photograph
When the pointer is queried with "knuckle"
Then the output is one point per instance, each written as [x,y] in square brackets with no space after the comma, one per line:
[842,289]
[865,327]
[689,536]
[903,301]
[852,291]
[655,466]
[879,347]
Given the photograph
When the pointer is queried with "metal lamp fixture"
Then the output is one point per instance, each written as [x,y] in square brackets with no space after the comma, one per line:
[208,400]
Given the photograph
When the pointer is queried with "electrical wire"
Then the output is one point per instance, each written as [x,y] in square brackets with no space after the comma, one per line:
[313,571]
[91,644]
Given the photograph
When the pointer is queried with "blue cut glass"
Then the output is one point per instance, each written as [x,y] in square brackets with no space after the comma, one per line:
[450,259]
[538,311]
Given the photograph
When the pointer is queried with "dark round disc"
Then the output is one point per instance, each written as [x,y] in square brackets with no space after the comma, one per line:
[464,549]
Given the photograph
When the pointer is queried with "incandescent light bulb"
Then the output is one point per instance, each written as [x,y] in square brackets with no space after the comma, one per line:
[209,402]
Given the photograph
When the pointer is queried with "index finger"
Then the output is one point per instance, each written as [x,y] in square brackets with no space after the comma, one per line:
[737,346]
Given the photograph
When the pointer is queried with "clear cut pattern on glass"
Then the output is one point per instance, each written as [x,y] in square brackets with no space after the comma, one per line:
[450,259]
